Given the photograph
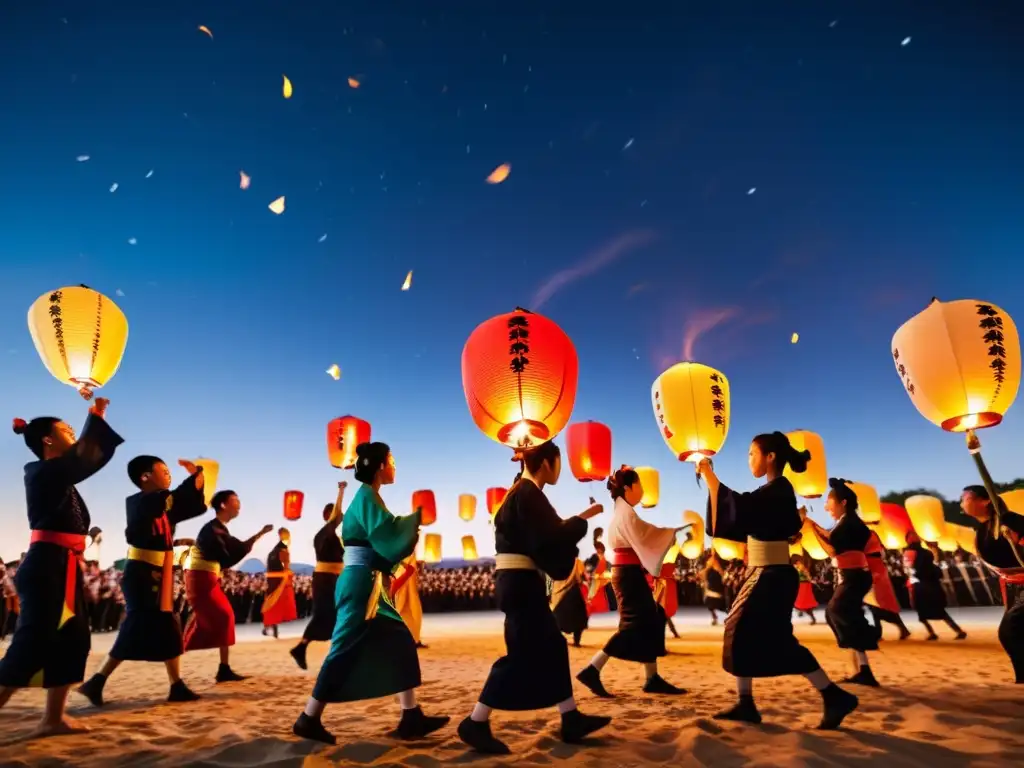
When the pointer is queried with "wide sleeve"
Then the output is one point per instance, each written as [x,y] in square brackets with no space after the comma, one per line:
[234,551]
[650,542]
[553,540]
[392,538]
[733,510]
[754,513]
[188,501]
[93,451]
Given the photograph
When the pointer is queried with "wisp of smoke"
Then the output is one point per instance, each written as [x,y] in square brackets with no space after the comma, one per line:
[591,263]
[702,321]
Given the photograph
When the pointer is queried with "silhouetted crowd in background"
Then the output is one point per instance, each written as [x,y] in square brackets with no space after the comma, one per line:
[471,588]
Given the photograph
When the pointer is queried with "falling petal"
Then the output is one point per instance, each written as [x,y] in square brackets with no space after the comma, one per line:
[334,372]
[628,145]
[82,158]
[119,292]
[794,338]
[206,30]
[243,180]
[322,237]
[353,82]
[499,174]
[132,241]
[113,187]
[408,281]
[752,190]
[150,173]
[286,89]
[906,42]
[277,206]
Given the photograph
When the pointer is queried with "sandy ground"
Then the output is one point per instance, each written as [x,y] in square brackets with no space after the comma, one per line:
[943,704]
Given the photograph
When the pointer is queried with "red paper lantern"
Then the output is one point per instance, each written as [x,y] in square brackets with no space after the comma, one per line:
[343,435]
[894,527]
[519,373]
[425,501]
[589,445]
[293,504]
[494,498]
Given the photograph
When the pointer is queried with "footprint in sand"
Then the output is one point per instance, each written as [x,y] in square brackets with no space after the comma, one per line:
[709,726]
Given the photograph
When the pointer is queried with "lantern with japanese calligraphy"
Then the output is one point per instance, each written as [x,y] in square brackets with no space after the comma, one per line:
[895,526]
[1014,500]
[468,548]
[812,483]
[467,506]
[691,407]
[80,336]
[432,548]
[494,498]
[927,516]
[589,445]
[519,374]
[729,550]
[960,363]
[649,480]
[343,435]
[693,547]
[211,469]
[869,507]
[427,504]
[810,542]
[293,504]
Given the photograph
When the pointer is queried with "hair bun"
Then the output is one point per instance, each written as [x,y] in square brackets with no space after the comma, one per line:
[836,483]
[804,454]
[19,426]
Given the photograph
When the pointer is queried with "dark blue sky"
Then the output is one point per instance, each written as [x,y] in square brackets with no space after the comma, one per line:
[883,173]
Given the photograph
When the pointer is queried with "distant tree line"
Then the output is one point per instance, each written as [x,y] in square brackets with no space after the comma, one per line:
[951,508]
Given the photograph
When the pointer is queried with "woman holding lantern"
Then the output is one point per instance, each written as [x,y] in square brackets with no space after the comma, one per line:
[636,546]
[372,651]
[759,640]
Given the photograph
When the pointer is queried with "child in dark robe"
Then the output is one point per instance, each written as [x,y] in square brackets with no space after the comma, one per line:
[329,562]
[151,631]
[52,639]
[531,540]
[925,584]
[759,640]
[569,603]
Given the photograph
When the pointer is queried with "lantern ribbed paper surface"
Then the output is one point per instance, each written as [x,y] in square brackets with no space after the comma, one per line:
[293,504]
[927,516]
[80,335]
[691,407]
[650,481]
[519,375]
[589,445]
[343,435]
[812,483]
[960,363]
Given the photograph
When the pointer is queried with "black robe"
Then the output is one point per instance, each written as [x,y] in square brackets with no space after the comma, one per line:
[845,610]
[148,633]
[759,640]
[46,649]
[328,548]
[926,592]
[216,545]
[999,553]
[534,673]
[713,582]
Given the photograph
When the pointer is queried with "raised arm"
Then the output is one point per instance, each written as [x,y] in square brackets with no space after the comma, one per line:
[336,514]
[823,538]
[93,450]
[189,499]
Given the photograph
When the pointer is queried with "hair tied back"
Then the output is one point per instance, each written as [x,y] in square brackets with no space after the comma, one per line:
[19,426]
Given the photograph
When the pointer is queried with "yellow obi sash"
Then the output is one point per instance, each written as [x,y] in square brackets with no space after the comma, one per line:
[764,553]
[164,560]
[194,562]
[512,562]
[273,597]
[322,567]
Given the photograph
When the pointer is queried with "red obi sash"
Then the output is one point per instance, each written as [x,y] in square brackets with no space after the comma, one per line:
[851,561]
[625,556]
[74,543]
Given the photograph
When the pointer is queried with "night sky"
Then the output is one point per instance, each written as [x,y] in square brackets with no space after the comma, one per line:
[725,173]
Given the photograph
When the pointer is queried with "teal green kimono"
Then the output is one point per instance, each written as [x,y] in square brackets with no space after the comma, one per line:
[372,654]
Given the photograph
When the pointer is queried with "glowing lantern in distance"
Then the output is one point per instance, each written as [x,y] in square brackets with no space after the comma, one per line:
[432,548]
[960,363]
[694,546]
[467,507]
[211,469]
[649,480]
[343,435]
[812,483]
[691,406]
[949,541]
[927,516]
[80,336]
[427,504]
[468,548]
[869,507]
[589,445]
[895,526]
[810,542]
[519,375]
[494,498]
[729,550]
[293,504]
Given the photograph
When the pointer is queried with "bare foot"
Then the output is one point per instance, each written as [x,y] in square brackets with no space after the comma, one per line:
[65,727]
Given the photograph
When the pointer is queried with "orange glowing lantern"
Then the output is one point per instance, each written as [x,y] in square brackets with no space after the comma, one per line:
[949,541]
[796,548]
[691,406]
[672,555]
[519,374]
[729,550]
[810,542]
[494,498]
[813,482]
[895,526]
[869,507]
[1014,500]
[432,548]
[427,504]
[694,546]
[927,516]
[468,548]
[343,435]
[467,507]
[650,481]
[589,445]
[966,538]
[293,504]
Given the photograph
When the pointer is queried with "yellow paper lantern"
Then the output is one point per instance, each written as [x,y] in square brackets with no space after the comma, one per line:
[869,506]
[812,483]
[810,542]
[691,406]
[694,546]
[649,480]
[468,548]
[926,515]
[949,540]
[211,469]
[432,548]
[729,550]
[467,506]
[672,555]
[80,336]
[960,363]
[796,549]
[965,537]
[1014,500]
